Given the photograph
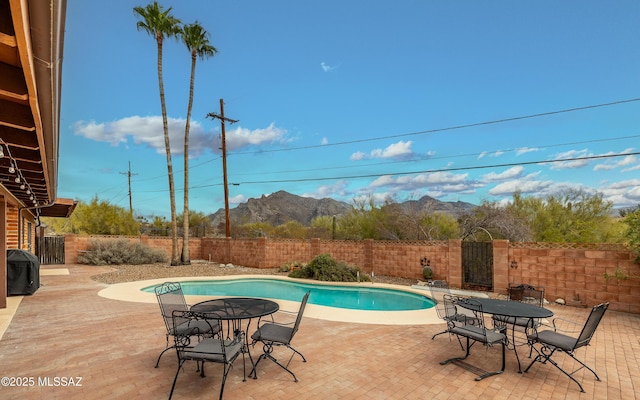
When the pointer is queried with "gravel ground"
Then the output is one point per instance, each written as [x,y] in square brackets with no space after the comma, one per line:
[129,273]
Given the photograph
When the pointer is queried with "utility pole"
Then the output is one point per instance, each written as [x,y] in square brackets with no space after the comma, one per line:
[224,163]
[128,173]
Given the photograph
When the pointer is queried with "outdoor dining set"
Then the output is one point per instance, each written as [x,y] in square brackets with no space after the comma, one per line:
[220,330]
[520,320]
[216,331]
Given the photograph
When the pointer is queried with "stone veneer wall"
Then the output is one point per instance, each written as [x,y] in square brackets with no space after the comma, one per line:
[573,272]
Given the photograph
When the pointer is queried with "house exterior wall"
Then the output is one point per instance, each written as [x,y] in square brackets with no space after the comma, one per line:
[12,226]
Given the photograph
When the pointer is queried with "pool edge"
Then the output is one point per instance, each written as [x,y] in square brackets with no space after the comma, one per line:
[131,292]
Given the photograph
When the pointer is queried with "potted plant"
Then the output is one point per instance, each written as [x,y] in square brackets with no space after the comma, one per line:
[427,272]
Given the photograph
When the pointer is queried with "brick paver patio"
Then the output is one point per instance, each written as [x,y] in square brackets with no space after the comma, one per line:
[67,330]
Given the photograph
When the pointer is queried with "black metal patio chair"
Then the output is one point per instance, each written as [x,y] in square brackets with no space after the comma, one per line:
[171,298]
[526,294]
[552,341]
[437,294]
[189,345]
[278,334]
[473,333]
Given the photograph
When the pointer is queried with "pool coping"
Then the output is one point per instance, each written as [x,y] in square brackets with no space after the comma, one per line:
[131,291]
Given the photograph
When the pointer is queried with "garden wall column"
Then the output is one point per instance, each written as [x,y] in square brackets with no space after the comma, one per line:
[500,266]
[454,270]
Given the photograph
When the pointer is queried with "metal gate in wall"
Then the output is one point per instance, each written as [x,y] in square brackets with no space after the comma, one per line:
[477,265]
[50,249]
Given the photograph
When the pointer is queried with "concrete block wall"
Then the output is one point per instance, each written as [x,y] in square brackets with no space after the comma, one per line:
[576,273]
[573,272]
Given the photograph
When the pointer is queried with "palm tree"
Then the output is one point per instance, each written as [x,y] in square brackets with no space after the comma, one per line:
[196,38]
[159,23]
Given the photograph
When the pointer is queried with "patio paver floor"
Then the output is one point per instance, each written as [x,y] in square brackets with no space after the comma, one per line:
[66,330]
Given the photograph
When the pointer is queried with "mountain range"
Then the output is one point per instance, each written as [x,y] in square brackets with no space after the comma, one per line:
[280,207]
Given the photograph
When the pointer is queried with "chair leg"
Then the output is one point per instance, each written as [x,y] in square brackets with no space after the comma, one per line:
[225,370]
[486,374]
[543,358]
[446,331]
[164,351]
[175,379]
[267,350]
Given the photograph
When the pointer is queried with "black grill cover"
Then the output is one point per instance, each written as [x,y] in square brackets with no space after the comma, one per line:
[23,272]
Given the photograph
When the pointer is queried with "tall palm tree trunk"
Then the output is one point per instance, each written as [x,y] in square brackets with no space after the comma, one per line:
[172,194]
[186,257]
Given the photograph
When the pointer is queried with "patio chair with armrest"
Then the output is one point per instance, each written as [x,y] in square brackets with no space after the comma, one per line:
[525,294]
[474,333]
[171,298]
[189,345]
[278,334]
[552,341]
[437,294]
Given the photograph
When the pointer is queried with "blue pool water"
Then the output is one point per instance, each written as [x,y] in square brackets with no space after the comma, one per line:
[350,297]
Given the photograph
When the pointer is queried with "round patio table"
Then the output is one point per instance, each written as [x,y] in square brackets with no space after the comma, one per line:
[236,310]
[509,309]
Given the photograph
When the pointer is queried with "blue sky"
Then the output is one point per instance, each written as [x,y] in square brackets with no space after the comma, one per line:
[356,99]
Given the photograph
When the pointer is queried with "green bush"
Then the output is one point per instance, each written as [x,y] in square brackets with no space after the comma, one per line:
[325,268]
[291,266]
[120,251]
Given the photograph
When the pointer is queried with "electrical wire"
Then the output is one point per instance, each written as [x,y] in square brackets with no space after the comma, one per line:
[492,122]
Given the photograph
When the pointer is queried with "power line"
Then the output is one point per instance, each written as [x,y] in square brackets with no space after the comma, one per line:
[431,158]
[603,156]
[444,169]
[492,122]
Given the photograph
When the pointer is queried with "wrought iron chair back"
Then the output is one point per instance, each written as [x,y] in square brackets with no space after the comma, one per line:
[552,341]
[473,330]
[221,349]
[171,299]
[279,334]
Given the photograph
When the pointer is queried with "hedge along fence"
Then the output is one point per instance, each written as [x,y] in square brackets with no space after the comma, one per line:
[573,272]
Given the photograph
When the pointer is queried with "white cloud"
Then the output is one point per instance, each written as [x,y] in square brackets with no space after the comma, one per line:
[524,186]
[339,189]
[324,141]
[616,162]
[513,172]
[385,180]
[437,182]
[635,168]
[149,131]
[571,164]
[237,199]
[242,137]
[326,67]
[481,155]
[401,149]
[524,150]
[623,194]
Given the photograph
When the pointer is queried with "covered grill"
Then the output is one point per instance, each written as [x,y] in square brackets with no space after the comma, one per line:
[23,272]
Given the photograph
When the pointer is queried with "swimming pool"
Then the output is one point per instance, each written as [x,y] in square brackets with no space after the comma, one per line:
[349,297]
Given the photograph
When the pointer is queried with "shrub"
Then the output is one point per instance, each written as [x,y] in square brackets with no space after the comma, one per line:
[291,266]
[120,251]
[325,268]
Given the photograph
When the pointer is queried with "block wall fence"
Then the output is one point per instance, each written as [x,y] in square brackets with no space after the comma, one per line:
[573,272]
